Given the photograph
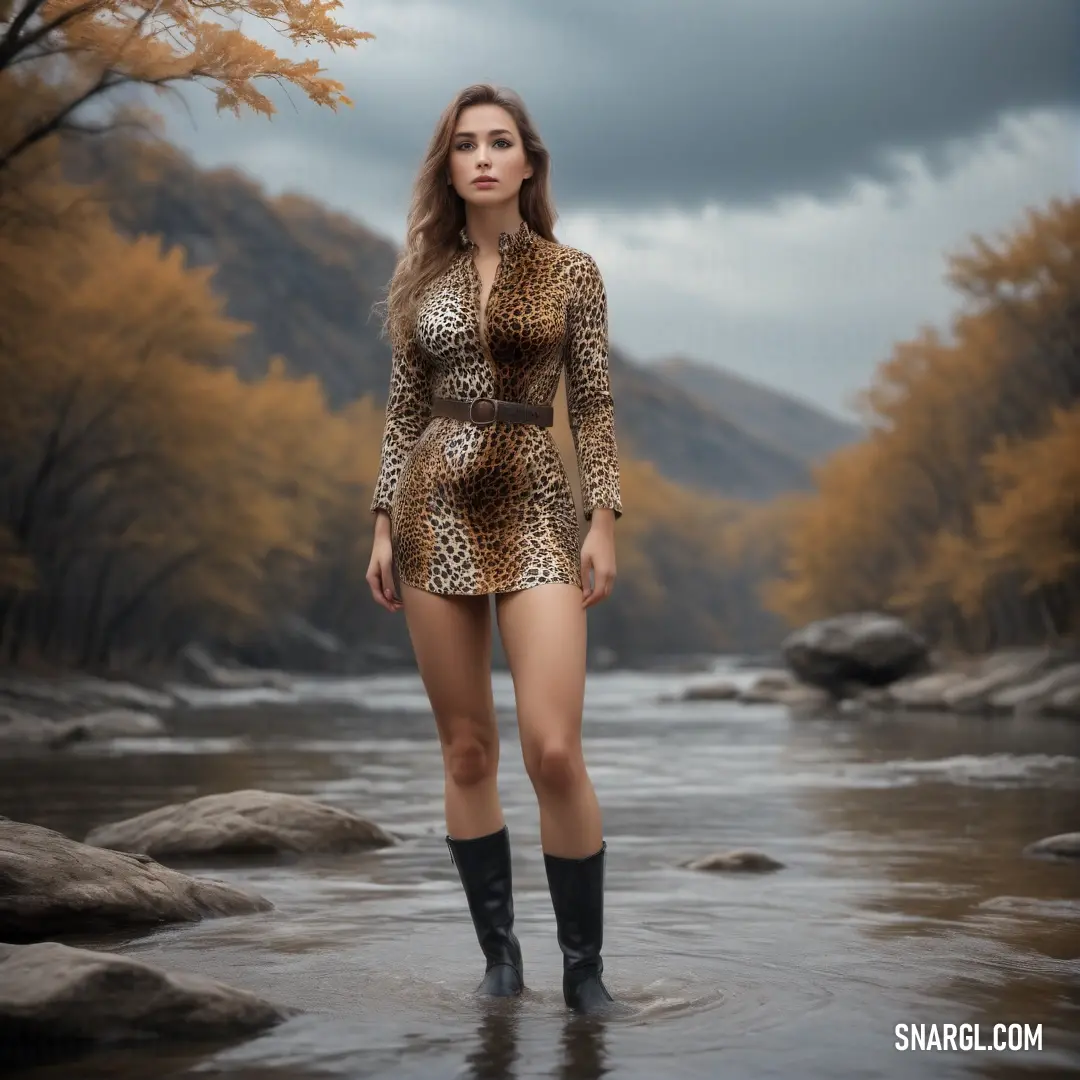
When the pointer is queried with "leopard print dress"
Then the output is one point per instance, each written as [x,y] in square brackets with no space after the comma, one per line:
[479,510]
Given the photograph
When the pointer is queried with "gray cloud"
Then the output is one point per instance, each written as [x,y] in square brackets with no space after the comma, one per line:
[755,99]
[780,114]
[647,104]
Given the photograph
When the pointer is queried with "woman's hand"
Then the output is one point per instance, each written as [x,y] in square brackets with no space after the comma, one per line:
[380,574]
[598,555]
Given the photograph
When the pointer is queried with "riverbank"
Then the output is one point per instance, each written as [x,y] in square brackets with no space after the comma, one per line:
[870,662]
[1019,682]
[60,706]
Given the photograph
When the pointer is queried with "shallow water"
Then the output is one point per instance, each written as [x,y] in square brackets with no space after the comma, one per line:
[904,898]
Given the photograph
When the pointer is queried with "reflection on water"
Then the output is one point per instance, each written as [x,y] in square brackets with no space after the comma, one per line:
[904,898]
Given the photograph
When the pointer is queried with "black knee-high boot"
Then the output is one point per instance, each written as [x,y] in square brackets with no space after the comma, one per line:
[483,864]
[577,895]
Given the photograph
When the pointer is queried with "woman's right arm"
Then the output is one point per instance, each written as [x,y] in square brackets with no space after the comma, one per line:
[408,409]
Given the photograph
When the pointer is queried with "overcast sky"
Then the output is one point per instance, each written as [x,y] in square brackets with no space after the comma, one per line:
[768,185]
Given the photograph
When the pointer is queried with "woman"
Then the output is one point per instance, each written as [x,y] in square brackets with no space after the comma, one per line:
[485,312]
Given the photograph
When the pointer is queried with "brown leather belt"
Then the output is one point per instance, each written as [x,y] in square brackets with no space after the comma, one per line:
[484,411]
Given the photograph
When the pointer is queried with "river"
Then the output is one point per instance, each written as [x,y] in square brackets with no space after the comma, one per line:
[903,900]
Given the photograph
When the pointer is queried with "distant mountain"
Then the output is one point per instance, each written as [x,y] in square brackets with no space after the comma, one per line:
[693,443]
[793,426]
[306,277]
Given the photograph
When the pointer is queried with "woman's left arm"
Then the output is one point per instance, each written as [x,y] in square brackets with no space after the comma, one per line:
[591,411]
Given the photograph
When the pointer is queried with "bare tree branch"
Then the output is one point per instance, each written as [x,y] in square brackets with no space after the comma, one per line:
[11,44]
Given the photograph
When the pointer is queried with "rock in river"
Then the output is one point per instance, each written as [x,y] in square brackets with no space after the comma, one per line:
[1033,695]
[767,688]
[62,695]
[114,724]
[917,692]
[51,885]
[51,993]
[996,673]
[712,691]
[1061,846]
[1065,702]
[855,650]
[21,727]
[740,861]
[248,822]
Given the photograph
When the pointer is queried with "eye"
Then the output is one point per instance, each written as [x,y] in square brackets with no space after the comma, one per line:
[463,145]
[505,142]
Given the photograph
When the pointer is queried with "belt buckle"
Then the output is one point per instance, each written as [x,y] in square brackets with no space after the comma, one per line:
[482,401]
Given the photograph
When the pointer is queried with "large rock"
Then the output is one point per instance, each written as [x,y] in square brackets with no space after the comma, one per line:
[51,885]
[245,822]
[854,650]
[51,993]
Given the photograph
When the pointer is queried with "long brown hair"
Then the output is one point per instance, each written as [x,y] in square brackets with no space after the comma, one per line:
[437,214]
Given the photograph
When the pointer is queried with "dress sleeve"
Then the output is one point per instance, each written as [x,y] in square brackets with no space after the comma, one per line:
[408,409]
[588,391]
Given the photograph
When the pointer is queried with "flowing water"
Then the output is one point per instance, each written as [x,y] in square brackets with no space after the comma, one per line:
[904,898]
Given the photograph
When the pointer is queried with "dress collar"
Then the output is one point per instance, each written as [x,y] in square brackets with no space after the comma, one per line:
[509,243]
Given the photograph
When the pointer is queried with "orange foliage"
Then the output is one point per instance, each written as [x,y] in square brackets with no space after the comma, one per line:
[960,510]
[104,45]
[1034,524]
[148,491]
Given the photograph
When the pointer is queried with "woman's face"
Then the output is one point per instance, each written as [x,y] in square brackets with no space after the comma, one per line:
[487,147]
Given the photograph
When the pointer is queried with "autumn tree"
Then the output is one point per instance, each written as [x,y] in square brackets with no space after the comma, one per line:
[147,494]
[142,485]
[64,62]
[151,497]
[955,511]
[1030,530]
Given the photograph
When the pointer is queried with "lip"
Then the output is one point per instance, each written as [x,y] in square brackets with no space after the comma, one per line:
[483,181]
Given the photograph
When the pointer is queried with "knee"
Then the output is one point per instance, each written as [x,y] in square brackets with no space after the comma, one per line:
[471,757]
[556,765]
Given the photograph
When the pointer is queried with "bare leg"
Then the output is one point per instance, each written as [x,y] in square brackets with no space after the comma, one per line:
[544,634]
[451,637]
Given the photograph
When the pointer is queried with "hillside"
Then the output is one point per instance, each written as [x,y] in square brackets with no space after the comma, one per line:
[795,427]
[306,278]
[693,443]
